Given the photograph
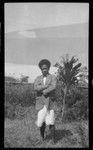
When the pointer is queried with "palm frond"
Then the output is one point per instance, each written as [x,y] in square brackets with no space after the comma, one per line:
[73,61]
[77,66]
[68,72]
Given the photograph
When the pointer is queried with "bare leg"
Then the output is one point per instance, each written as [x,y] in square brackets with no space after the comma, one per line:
[42,130]
[52,129]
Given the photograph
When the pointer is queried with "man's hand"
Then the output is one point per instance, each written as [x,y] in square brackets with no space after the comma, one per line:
[46,86]
[44,92]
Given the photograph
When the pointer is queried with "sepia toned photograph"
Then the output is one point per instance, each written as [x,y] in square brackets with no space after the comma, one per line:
[46,75]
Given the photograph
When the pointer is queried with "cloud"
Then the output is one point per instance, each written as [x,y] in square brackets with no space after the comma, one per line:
[28,34]
[39,15]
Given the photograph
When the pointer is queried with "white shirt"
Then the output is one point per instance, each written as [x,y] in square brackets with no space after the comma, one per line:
[44,80]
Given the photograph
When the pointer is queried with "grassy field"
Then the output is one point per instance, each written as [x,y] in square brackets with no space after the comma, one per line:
[20,116]
[24,133]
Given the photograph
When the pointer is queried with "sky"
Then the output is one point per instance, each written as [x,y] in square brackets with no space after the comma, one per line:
[34,31]
[23,16]
[32,71]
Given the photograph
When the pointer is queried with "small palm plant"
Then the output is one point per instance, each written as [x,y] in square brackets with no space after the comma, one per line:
[67,74]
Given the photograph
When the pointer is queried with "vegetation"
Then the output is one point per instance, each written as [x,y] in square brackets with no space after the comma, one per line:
[76,103]
[24,78]
[67,75]
[20,113]
[10,79]
[23,96]
[18,94]
[20,130]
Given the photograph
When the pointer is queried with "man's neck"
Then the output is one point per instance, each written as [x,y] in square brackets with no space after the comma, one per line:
[46,75]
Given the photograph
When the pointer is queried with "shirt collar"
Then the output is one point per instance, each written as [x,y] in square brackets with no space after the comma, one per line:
[46,75]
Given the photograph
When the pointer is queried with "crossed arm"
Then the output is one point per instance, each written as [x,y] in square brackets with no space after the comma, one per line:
[45,88]
[38,87]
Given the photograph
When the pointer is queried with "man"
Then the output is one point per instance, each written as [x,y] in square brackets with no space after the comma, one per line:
[45,86]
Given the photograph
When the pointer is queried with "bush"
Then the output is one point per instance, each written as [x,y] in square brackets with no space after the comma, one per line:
[76,95]
[23,94]
[16,94]
[10,79]
[76,103]
[78,112]
[19,93]
[10,111]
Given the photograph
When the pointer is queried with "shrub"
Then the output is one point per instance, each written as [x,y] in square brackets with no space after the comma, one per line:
[19,93]
[76,95]
[83,132]
[10,111]
[16,94]
[79,111]
[10,79]
[76,103]
[23,94]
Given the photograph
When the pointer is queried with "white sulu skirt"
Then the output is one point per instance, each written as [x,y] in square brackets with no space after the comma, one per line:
[46,116]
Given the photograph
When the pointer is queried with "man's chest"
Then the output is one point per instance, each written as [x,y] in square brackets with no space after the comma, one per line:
[45,80]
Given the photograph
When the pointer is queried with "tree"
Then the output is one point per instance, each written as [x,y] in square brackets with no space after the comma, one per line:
[24,78]
[67,74]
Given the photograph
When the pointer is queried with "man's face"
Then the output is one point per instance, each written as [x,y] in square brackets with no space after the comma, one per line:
[44,69]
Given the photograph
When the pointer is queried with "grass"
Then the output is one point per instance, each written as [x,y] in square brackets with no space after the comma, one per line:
[23,133]
[20,117]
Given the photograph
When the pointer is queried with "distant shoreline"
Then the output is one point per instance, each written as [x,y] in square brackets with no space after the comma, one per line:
[32,71]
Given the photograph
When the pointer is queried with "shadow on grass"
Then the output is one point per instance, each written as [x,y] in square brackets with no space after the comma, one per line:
[59,134]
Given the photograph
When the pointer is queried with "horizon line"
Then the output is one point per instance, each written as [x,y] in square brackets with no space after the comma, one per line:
[36,28]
